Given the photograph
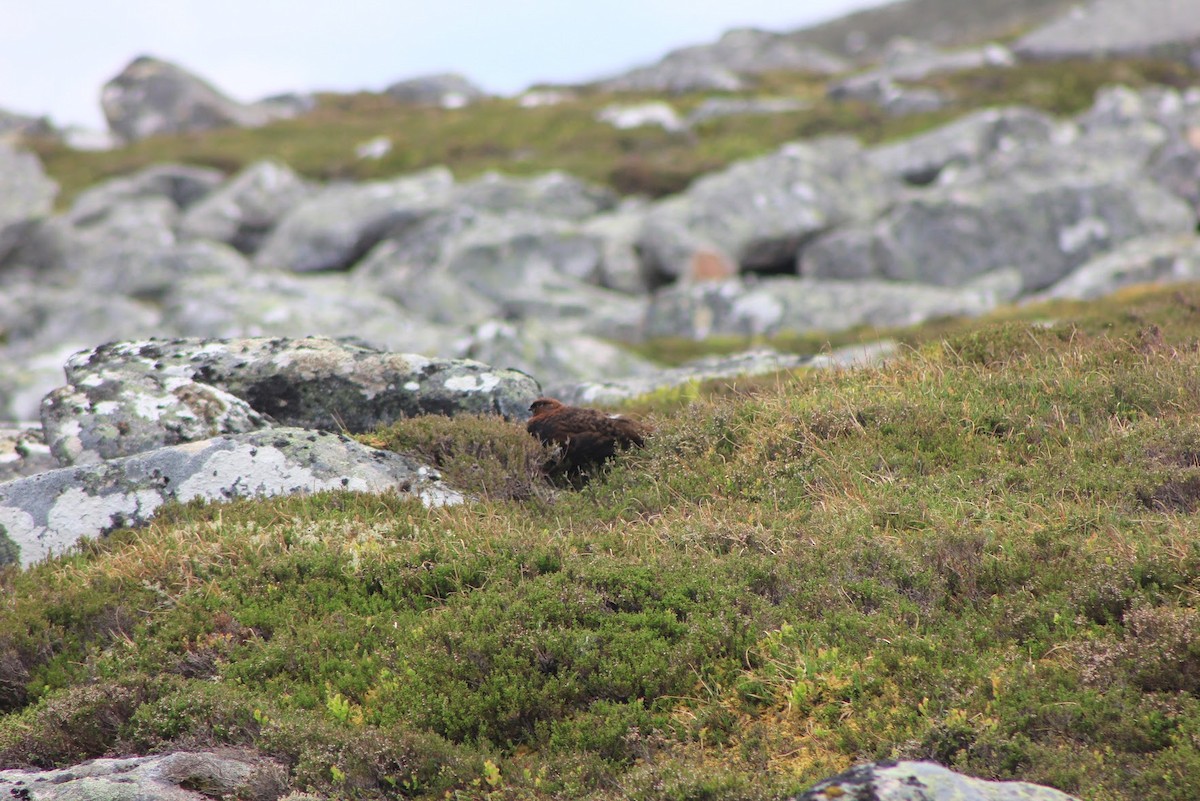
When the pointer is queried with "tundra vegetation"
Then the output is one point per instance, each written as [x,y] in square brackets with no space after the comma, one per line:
[983,553]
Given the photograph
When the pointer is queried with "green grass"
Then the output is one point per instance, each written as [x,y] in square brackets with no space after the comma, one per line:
[498,135]
[983,553]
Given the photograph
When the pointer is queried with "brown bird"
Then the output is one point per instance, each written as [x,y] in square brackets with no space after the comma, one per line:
[585,437]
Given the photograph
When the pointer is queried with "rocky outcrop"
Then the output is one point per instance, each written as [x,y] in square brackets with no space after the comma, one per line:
[448,90]
[125,397]
[1117,28]
[179,776]
[1148,260]
[47,513]
[25,194]
[922,781]
[718,66]
[245,209]
[151,97]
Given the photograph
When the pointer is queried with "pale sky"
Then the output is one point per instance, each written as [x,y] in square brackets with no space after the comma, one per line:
[55,55]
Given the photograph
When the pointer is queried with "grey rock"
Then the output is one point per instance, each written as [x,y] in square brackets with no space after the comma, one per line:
[1147,260]
[771,305]
[448,90]
[551,356]
[288,105]
[335,227]
[179,776]
[1116,28]
[908,60]
[554,194]
[966,141]
[125,251]
[742,51]
[316,382]
[243,211]
[151,97]
[111,413]
[47,514]
[23,452]
[922,781]
[717,107]
[894,97]
[25,194]
[182,184]
[761,210]
[1045,226]
[421,288]
[17,127]
[620,267]
[654,114]
[270,303]
[749,363]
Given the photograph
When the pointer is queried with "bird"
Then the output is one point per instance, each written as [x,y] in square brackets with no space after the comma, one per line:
[585,437]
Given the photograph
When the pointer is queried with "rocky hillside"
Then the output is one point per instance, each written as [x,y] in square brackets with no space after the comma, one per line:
[921,484]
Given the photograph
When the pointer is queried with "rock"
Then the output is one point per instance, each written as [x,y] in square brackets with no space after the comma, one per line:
[288,105]
[243,211]
[922,781]
[749,363]
[25,194]
[47,514]
[717,107]
[151,97]
[23,452]
[112,414]
[181,184]
[1116,28]
[617,232]
[895,98]
[1046,226]
[448,90]
[315,382]
[641,115]
[550,356]
[771,305]
[180,776]
[280,304]
[336,226]
[906,60]
[553,194]
[743,51]
[967,141]
[125,250]
[1146,260]
[17,127]
[761,210]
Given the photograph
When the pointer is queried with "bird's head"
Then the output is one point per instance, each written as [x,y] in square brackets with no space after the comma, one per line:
[544,405]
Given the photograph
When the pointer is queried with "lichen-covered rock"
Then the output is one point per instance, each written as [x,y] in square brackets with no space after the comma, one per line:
[1045,226]
[109,414]
[761,210]
[447,89]
[316,382]
[180,776]
[771,305]
[152,97]
[338,224]
[922,781]
[243,211]
[23,452]
[554,194]
[182,184]
[25,193]
[1156,259]
[47,513]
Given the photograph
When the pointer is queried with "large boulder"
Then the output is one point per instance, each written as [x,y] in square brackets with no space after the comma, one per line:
[182,184]
[339,224]
[23,452]
[922,781]
[1044,225]
[243,211]
[553,194]
[1117,28]
[314,382]
[48,513]
[717,66]
[1146,260]
[446,89]
[760,211]
[179,776]
[151,97]
[967,141]
[771,305]
[25,194]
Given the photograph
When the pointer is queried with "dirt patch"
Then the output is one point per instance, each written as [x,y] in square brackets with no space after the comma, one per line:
[1179,495]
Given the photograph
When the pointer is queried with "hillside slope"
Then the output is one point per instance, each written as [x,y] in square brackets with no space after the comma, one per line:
[983,553]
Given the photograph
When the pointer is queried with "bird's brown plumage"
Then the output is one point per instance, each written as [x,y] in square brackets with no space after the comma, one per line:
[585,437]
